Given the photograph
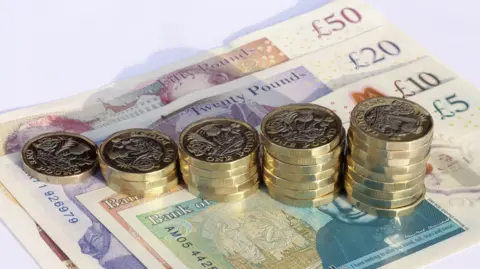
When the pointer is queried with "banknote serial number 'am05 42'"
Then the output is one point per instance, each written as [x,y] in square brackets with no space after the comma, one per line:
[200,257]
[55,200]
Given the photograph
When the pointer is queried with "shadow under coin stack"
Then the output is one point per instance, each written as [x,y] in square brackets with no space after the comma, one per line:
[389,144]
[139,162]
[303,146]
[219,159]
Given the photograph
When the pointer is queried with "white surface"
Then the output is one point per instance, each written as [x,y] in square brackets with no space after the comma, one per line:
[52,48]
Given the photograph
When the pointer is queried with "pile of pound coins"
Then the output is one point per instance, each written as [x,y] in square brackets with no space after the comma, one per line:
[219,159]
[389,144]
[303,148]
[139,162]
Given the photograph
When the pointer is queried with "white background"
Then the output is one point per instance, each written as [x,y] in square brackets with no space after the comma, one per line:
[56,48]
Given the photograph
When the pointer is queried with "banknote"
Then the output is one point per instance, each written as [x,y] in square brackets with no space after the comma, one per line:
[334,67]
[133,97]
[37,242]
[260,232]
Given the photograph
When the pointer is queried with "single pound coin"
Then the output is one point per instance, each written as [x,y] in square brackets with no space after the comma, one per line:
[60,157]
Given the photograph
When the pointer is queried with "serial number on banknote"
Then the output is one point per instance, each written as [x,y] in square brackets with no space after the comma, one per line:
[201,258]
[55,200]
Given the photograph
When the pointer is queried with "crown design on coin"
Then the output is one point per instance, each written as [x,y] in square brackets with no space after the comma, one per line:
[136,153]
[395,119]
[216,139]
[299,126]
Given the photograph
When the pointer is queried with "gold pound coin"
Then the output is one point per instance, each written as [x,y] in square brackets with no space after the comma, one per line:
[385,195]
[144,185]
[391,123]
[387,212]
[298,185]
[60,157]
[225,190]
[224,198]
[270,162]
[301,195]
[352,177]
[137,155]
[144,193]
[382,203]
[188,169]
[302,177]
[219,182]
[388,154]
[219,144]
[322,200]
[389,172]
[301,130]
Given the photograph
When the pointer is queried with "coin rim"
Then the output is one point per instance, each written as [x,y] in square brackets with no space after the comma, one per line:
[145,193]
[385,203]
[385,212]
[319,183]
[225,198]
[322,200]
[386,186]
[269,162]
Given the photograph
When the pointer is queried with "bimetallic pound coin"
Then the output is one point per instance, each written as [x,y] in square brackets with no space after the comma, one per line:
[299,185]
[387,212]
[219,144]
[301,130]
[60,157]
[270,162]
[224,198]
[226,190]
[302,177]
[382,203]
[322,200]
[137,155]
[304,194]
[391,123]
[351,176]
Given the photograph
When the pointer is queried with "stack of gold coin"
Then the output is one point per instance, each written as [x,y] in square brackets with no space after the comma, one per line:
[219,159]
[388,148]
[140,162]
[303,145]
